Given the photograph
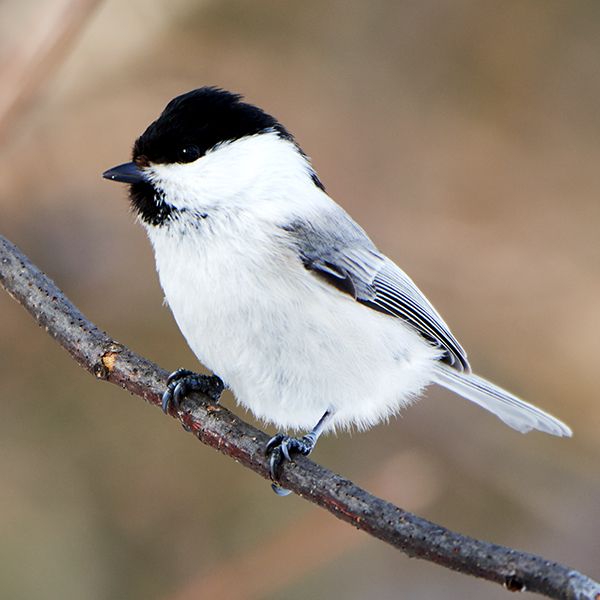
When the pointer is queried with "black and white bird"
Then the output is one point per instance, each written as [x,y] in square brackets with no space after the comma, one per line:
[277,290]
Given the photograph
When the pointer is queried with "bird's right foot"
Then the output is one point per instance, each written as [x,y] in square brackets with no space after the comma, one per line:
[182,382]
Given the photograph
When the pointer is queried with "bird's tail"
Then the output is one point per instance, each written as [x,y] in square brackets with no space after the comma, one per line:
[514,412]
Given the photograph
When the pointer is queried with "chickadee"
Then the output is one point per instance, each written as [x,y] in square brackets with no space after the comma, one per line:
[277,290]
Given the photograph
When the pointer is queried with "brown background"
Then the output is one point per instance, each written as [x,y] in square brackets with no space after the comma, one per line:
[463,136]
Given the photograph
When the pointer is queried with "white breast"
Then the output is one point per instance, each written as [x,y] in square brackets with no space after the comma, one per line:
[289,346]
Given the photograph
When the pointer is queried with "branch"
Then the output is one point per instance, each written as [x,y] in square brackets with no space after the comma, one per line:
[216,426]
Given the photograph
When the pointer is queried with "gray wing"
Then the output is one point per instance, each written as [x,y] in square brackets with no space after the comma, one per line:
[350,262]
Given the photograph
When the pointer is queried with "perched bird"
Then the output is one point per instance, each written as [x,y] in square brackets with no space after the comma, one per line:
[277,290]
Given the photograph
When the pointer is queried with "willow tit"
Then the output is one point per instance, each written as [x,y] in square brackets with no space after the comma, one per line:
[277,290]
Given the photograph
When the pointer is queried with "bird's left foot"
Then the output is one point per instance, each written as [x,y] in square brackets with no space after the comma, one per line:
[182,382]
[281,446]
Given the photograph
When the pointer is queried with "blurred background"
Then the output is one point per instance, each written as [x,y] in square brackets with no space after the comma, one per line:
[463,136]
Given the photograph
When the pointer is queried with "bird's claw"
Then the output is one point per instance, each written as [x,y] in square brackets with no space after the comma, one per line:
[280,448]
[182,382]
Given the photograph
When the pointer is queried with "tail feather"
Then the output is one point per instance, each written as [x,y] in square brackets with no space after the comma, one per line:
[514,412]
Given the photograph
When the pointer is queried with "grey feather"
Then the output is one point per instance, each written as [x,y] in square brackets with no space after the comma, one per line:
[514,412]
[349,261]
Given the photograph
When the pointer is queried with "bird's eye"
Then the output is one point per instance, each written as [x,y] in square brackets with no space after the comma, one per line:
[189,154]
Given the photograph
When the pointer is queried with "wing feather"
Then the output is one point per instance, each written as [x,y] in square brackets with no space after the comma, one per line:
[352,264]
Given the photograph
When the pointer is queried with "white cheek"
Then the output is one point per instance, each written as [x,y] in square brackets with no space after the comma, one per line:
[263,172]
[219,175]
[181,185]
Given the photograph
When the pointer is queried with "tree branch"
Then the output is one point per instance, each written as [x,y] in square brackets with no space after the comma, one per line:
[216,426]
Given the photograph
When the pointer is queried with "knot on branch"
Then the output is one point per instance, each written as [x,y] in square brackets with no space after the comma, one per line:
[103,368]
[514,584]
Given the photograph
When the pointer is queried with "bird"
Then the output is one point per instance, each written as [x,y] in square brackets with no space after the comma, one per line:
[278,291]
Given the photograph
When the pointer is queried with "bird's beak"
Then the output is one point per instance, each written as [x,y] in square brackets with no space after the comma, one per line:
[125,173]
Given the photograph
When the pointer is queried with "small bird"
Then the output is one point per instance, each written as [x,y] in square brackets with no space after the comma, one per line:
[277,290]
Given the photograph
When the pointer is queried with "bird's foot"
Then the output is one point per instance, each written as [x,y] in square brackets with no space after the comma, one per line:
[182,382]
[280,448]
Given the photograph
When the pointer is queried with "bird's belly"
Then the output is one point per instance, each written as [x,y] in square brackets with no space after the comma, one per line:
[291,348]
